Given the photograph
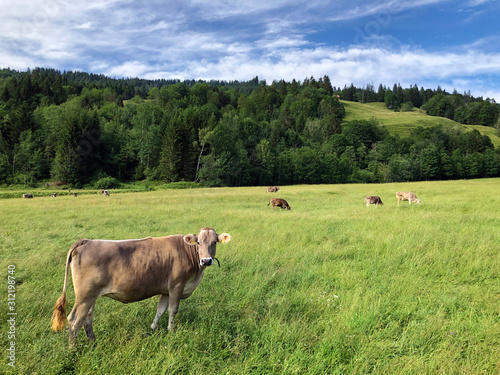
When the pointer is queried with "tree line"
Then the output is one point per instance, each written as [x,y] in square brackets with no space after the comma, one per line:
[91,130]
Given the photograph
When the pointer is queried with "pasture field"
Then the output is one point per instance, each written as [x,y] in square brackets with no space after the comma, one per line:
[329,287]
[403,122]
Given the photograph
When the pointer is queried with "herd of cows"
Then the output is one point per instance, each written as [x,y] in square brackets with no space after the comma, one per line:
[134,270]
[369,199]
[283,204]
[400,195]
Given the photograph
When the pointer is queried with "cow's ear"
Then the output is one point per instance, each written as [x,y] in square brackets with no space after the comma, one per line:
[190,239]
[224,237]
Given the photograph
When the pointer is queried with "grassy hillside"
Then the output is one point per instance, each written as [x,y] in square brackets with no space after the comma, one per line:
[330,286]
[402,122]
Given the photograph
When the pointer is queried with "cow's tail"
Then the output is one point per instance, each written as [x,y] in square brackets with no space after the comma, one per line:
[59,315]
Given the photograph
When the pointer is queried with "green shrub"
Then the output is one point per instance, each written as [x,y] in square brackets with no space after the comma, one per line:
[107,183]
[407,107]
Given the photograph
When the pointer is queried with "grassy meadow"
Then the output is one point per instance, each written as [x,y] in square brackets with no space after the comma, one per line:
[403,122]
[329,287]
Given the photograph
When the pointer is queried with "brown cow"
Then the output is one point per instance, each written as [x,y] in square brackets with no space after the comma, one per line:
[407,196]
[281,203]
[27,195]
[133,270]
[75,194]
[373,199]
[272,189]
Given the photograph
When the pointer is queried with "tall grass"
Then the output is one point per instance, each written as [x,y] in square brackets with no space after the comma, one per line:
[330,286]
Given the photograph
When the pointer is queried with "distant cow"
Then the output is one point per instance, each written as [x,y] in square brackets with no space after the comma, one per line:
[53,195]
[27,196]
[272,189]
[104,192]
[281,203]
[407,196]
[75,194]
[133,270]
[373,199]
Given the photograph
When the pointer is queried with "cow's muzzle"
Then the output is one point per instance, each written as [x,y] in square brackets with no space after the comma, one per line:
[204,262]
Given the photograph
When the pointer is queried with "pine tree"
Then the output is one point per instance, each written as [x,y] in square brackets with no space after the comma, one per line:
[327,85]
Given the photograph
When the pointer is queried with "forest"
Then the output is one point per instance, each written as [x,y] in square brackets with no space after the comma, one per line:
[88,130]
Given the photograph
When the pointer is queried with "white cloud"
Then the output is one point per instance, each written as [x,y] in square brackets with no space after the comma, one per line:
[360,9]
[281,42]
[236,40]
[223,9]
[129,69]
[354,65]
[84,26]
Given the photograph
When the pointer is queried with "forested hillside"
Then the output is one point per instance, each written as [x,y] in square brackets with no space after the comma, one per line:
[86,130]
[462,108]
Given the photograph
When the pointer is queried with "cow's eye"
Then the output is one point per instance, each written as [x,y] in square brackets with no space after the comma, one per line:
[198,242]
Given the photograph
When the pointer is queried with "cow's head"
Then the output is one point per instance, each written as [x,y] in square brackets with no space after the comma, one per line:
[206,240]
[416,200]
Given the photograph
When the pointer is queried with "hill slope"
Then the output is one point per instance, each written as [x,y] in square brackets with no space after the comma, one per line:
[402,122]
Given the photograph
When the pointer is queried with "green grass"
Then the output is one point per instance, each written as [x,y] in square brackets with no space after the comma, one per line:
[330,286]
[403,122]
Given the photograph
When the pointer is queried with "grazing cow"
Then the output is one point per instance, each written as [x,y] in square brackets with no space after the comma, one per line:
[75,194]
[53,195]
[104,192]
[133,270]
[373,199]
[407,196]
[281,203]
[27,196]
[272,189]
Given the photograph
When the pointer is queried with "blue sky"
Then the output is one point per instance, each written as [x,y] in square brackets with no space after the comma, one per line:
[451,43]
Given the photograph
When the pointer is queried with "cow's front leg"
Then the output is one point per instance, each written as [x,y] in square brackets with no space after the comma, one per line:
[160,310]
[173,307]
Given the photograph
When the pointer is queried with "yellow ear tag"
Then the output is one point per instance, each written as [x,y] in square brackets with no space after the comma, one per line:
[193,241]
[224,240]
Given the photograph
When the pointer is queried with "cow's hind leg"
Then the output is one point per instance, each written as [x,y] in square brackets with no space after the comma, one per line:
[160,310]
[76,319]
[87,324]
